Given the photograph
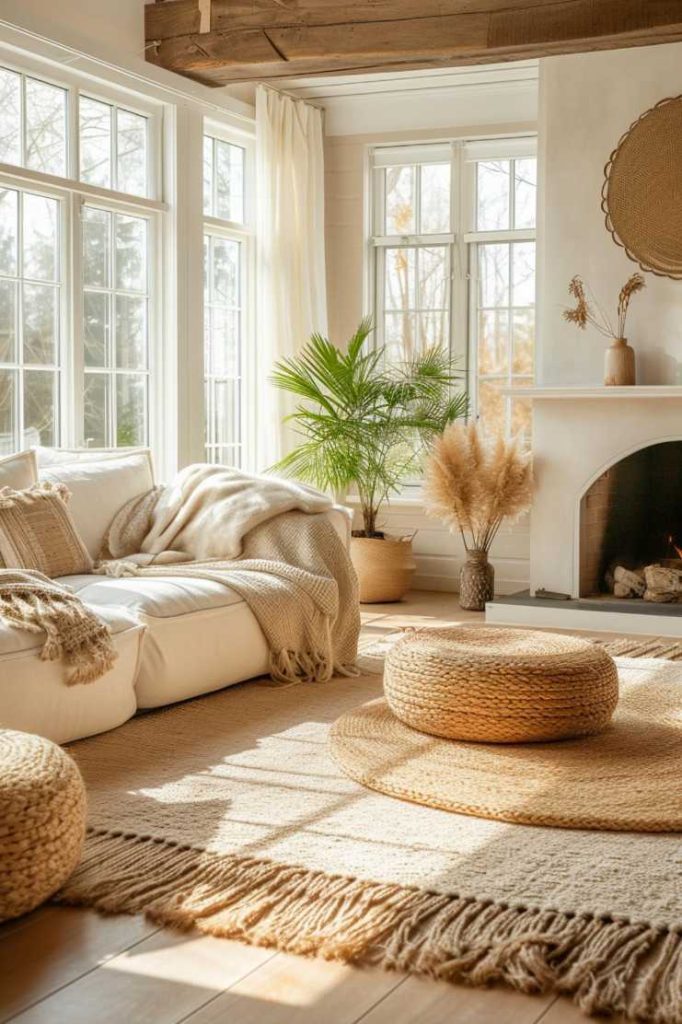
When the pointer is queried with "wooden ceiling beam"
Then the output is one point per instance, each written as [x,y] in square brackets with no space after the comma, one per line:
[264,39]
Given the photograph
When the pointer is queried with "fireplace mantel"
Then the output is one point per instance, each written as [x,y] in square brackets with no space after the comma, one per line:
[538,393]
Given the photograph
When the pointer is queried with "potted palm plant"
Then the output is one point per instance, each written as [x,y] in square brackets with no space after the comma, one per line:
[366,425]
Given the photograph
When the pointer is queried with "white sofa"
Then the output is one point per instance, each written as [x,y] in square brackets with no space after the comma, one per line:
[176,638]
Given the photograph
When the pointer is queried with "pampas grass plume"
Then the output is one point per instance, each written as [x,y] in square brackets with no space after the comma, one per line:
[473,483]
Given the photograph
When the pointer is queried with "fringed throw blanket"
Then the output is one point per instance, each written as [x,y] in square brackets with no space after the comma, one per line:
[289,566]
[31,601]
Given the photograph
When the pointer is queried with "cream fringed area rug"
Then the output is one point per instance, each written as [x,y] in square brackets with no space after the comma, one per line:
[228,814]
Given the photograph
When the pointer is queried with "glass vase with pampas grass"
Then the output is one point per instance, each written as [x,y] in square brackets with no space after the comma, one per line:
[619,359]
[473,483]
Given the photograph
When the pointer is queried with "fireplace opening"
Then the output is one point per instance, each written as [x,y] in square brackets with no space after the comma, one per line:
[631,528]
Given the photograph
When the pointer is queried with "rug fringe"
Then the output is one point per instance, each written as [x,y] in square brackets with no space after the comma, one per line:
[607,966]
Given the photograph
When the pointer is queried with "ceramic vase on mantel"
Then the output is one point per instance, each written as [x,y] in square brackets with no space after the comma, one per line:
[619,364]
[476,581]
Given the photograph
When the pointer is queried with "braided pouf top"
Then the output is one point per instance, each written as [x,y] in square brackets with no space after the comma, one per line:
[497,685]
[42,820]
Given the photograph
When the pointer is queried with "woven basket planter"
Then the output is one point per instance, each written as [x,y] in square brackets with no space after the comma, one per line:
[500,685]
[384,568]
[42,820]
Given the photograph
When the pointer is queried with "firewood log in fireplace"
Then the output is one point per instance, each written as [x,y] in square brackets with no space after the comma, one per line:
[662,584]
[628,583]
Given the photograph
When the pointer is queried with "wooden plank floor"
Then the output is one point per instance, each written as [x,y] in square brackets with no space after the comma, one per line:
[73,966]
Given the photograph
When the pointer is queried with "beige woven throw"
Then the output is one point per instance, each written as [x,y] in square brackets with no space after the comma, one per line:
[228,814]
[31,601]
[296,577]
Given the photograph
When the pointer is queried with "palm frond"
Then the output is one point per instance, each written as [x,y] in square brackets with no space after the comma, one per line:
[361,422]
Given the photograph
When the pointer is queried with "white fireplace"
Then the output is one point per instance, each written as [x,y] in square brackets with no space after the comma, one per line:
[578,434]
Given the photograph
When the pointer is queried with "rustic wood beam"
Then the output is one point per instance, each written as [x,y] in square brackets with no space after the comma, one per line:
[270,39]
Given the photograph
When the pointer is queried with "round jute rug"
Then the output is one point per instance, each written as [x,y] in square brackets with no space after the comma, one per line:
[624,779]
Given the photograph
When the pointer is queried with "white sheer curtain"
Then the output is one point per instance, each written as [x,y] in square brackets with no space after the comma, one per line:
[292,300]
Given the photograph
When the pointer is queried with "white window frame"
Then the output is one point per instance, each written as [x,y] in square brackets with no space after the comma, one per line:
[245,234]
[73,194]
[462,239]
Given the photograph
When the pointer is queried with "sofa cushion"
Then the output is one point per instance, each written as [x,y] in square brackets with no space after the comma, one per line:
[35,698]
[200,636]
[19,471]
[99,488]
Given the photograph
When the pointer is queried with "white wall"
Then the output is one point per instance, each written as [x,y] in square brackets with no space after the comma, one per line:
[458,105]
[587,102]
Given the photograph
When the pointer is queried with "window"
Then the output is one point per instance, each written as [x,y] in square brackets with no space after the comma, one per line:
[227,261]
[454,263]
[30,318]
[33,123]
[78,285]
[113,147]
[502,266]
[414,252]
[115,328]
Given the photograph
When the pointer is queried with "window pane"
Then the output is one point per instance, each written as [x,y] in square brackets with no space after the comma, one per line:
[222,342]
[96,247]
[132,153]
[95,328]
[41,238]
[226,455]
[8,321]
[521,411]
[131,414]
[493,341]
[40,323]
[400,336]
[494,275]
[9,212]
[434,329]
[10,117]
[40,407]
[45,127]
[435,198]
[525,193]
[523,341]
[8,411]
[492,195]
[400,200]
[208,175]
[95,411]
[523,273]
[131,332]
[491,406]
[131,253]
[226,411]
[401,276]
[229,172]
[95,141]
[433,278]
[226,271]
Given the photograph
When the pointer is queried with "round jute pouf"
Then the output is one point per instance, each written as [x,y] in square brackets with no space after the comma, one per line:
[42,820]
[497,685]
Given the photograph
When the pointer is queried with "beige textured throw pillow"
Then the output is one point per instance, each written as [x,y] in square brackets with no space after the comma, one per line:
[38,532]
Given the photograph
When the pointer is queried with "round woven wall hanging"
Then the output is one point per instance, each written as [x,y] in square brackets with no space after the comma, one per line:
[642,193]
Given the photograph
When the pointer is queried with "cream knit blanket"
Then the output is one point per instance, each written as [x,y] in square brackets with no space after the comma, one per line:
[290,567]
[31,601]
